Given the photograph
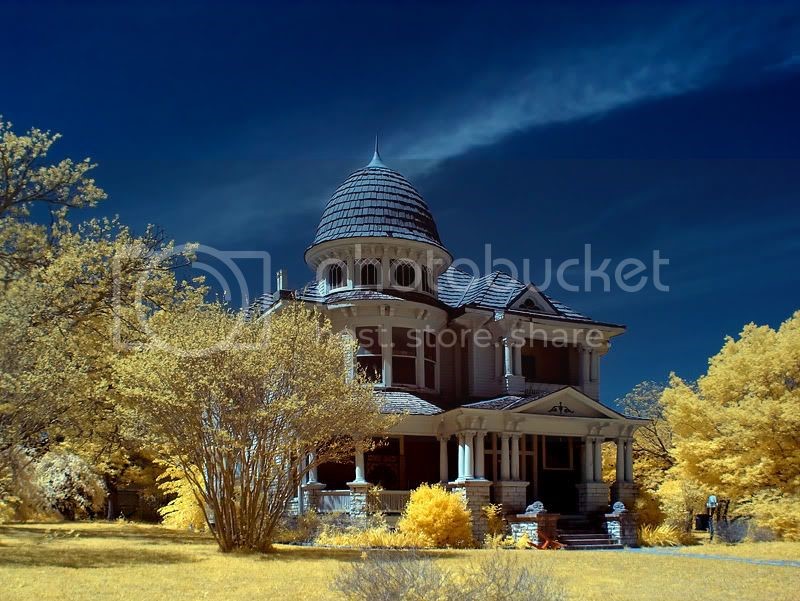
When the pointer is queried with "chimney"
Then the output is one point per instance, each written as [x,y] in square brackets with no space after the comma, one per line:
[281,278]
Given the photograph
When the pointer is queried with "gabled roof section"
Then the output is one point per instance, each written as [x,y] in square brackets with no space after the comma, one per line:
[498,291]
[567,401]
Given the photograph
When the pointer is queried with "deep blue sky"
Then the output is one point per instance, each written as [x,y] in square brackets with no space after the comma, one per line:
[536,128]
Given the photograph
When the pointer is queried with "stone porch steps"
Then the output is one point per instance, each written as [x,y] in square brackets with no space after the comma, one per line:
[586,540]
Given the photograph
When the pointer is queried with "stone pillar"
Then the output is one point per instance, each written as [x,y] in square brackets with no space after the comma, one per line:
[312,491]
[468,458]
[480,455]
[511,494]
[621,525]
[476,496]
[505,466]
[443,458]
[460,438]
[598,459]
[515,457]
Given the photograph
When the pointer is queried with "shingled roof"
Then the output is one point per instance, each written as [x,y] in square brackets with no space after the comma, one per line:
[398,402]
[377,202]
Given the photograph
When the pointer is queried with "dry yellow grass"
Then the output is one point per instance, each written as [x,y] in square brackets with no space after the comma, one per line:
[108,561]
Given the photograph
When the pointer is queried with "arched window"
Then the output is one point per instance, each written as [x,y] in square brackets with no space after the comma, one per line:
[369,273]
[335,276]
[404,274]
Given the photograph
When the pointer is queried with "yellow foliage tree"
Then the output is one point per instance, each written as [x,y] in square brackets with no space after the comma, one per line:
[438,515]
[184,511]
[238,405]
[738,431]
[69,294]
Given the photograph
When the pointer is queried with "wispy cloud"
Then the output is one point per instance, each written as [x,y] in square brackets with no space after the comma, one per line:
[688,52]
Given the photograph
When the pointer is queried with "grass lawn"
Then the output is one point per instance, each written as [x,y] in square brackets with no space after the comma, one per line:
[101,561]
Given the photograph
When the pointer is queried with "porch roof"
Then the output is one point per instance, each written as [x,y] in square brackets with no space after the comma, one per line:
[509,401]
[399,402]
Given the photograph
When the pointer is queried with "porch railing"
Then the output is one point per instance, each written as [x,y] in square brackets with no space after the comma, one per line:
[394,501]
[334,500]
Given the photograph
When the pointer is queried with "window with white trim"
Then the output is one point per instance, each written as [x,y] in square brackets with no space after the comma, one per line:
[335,276]
[404,356]
[369,356]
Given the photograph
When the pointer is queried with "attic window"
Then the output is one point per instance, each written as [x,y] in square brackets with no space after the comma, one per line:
[530,304]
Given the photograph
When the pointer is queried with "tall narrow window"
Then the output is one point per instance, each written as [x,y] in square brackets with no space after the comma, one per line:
[335,276]
[369,273]
[427,283]
[430,360]
[369,356]
[404,356]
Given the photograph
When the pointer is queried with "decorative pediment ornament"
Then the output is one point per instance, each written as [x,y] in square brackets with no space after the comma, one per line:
[561,409]
[618,507]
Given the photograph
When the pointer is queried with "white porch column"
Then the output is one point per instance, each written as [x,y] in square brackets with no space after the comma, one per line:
[385,337]
[312,469]
[629,460]
[360,466]
[620,460]
[588,459]
[508,357]
[515,457]
[468,458]
[480,455]
[598,459]
[505,467]
[443,458]
[460,438]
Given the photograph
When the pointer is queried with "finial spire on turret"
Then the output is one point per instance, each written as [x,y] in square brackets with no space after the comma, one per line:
[376,158]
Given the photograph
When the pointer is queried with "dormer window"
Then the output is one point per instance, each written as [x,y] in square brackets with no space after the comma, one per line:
[369,272]
[405,274]
[335,276]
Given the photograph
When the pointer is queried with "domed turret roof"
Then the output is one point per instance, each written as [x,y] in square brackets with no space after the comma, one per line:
[377,201]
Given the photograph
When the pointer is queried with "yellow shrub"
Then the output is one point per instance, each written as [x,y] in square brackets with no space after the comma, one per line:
[496,522]
[663,535]
[777,512]
[378,537]
[183,511]
[438,515]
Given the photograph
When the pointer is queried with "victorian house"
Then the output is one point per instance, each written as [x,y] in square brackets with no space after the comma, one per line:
[496,382]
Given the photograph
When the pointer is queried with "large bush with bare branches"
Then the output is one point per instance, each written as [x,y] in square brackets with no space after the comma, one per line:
[246,407]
